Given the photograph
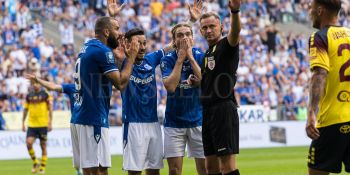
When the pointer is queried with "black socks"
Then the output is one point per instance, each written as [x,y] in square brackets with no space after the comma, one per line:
[235,172]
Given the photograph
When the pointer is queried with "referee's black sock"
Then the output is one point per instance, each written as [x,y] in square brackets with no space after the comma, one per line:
[235,172]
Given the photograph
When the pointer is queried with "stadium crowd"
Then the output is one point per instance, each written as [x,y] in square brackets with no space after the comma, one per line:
[273,70]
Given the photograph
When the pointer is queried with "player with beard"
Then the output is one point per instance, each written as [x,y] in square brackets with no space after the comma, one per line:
[140,111]
[328,117]
[95,73]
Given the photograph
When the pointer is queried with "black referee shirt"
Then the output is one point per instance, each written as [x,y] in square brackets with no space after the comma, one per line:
[219,73]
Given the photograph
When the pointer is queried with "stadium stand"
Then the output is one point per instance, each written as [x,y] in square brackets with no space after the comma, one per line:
[273,70]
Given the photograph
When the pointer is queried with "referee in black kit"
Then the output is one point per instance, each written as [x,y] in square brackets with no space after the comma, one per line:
[220,118]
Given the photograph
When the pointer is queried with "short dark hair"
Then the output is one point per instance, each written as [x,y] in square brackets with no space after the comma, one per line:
[135,31]
[208,15]
[103,23]
[332,5]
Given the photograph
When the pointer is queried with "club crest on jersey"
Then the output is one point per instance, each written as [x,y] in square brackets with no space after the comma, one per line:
[109,57]
[163,66]
[148,67]
[211,62]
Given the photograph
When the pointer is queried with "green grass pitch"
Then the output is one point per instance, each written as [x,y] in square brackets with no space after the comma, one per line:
[264,161]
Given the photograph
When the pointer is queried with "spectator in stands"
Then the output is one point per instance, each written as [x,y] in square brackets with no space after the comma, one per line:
[301,111]
[288,102]
[270,40]
[156,8]
[2,120]
[256,16]
[66,32]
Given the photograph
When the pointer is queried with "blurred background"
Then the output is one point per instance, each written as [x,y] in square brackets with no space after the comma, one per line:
[44,37]
[273,71]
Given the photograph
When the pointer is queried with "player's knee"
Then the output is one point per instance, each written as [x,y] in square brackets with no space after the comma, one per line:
[134,172]
[152,172]
[228,163]
[213,168]
[42,143]
[86,171]
[201,170]
[174,171]
[29,144]
[103,171]
[92,171]
[43,146]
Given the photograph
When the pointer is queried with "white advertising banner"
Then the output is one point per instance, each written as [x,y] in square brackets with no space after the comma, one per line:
[13,144]
[252,135]
[273,134]
[253,113]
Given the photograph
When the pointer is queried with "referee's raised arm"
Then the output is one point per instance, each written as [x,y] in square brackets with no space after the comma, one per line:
[233,34]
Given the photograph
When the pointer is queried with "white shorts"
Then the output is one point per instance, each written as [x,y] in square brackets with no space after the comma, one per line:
[143,146]
[175,140]
[87,153]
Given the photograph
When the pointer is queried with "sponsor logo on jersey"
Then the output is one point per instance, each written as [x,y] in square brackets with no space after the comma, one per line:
[343,96]
[142,81]
[345,129]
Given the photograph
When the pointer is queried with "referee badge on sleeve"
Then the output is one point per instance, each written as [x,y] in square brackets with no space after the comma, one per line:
[211,62]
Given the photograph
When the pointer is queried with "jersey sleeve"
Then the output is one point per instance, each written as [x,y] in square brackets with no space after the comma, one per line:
[68,88]
[105,60]
[318,51]
[155,57]
[167,65]
[198,56]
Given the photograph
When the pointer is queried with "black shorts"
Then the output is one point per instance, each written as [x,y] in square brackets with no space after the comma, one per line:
[40,133]
[331,149]
[220,130]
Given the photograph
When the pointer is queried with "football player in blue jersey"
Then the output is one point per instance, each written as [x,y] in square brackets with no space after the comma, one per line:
[183,116]
[142,135]
[96,72]
[69,90]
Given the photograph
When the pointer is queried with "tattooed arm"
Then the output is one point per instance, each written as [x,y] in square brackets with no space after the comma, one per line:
[317,86]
